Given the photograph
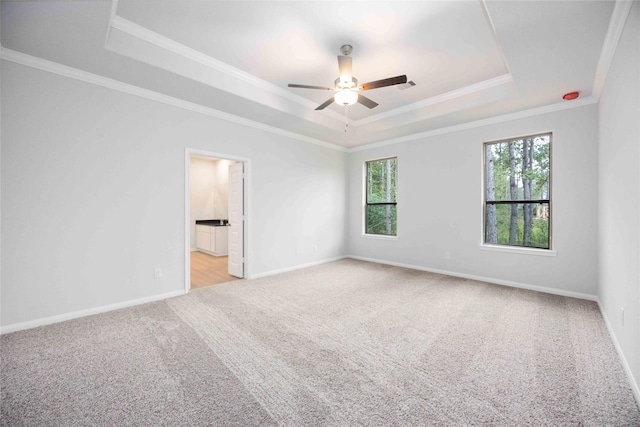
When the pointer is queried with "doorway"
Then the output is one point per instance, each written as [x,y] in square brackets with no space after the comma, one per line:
[216,202]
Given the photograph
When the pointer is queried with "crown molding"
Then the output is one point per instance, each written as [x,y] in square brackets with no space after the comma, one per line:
[112,15]
[467,90]
[170,45]
[447,96]
[494,34]
[66,71]
[84,76]
[618,19]
[141,33]
[186,52]
[564,105]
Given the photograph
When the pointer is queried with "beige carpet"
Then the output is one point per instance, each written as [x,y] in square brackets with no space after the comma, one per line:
[341,344]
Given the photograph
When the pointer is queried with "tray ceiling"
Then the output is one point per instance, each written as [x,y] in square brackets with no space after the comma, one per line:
[470,60]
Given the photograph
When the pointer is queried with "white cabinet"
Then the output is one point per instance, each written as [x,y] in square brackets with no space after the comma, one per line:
[203,237]
[221,240]
[213,240]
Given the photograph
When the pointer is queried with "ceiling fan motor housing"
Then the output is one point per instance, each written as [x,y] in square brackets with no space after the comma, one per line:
[343,85]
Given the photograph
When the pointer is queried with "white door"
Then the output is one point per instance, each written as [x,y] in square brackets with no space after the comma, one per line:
[236,220]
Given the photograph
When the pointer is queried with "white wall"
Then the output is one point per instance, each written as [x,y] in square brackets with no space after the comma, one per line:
[93,195]
[440,204]
[202,182]
[221,191]
[619,190]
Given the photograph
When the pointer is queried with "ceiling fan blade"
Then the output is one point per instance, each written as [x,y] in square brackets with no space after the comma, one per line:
[366,101]
[325,104]
[344,68]
[384,82]
[309,87]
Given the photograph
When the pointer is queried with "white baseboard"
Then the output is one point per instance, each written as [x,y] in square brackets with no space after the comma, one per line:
[295,267]
[627,369]
[82,313]
[483,279]
[76,314]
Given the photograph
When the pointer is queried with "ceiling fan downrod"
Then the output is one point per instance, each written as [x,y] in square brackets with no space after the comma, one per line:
[346,49]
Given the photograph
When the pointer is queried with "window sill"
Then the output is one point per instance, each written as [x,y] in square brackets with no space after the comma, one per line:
[379,237]
[518,250]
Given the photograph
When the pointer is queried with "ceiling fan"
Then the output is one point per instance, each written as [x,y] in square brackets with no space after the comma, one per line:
[347,91]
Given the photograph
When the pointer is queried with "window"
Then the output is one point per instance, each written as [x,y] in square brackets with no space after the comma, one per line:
[517,199]
[381,191]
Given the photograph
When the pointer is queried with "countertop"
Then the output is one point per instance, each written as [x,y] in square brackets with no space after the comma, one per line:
[213,222]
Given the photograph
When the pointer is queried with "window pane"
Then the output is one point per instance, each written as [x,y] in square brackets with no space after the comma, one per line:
[518,169]
[381,219]
[381,180]
[520,224]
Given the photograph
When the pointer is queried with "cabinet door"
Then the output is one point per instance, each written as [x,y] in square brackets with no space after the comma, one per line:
[203,239]
[222,242]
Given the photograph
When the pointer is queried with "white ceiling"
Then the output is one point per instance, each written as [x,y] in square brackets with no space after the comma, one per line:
[470,60]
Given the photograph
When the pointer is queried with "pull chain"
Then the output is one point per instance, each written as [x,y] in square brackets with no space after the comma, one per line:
[346,118]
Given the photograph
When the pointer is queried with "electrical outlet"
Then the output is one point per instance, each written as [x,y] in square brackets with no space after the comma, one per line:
[622,315]
[447,255]
[315,248]
[157,273]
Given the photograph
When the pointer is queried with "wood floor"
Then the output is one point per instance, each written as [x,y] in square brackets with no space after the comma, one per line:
[207,270]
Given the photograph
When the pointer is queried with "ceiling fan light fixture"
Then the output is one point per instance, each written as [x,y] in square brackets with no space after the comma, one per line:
[346,97]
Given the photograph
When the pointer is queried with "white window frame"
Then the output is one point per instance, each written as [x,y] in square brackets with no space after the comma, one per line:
[364,200]
[551,251]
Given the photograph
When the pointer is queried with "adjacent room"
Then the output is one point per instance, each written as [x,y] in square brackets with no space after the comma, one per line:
[320,213]
[209,221]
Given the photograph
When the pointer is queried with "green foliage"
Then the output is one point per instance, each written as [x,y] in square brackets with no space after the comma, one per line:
[539,172]
[521,171]
[377,219]
[381,212]
[539,229]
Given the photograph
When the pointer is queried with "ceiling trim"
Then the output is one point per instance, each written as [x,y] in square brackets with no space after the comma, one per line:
[447,96]
[494,34]
[186,52]
[95,79]
[616,25]
[564,105]
[86,77]
[614,32]
[112,15]
[457,93]
[144,34]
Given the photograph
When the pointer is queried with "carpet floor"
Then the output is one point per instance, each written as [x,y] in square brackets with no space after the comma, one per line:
[347,343]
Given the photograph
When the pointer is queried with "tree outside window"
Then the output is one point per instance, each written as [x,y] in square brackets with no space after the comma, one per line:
[517,197]
[381,191]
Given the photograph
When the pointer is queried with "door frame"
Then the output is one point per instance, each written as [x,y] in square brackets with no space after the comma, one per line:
[187,208]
